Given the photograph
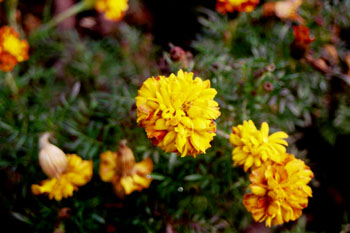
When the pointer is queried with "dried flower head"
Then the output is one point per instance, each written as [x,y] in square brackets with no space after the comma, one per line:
[121,169]
[178,112]
[12,49]
[66,172]
[113,10]
[254,147]
[229,6]
[279,192]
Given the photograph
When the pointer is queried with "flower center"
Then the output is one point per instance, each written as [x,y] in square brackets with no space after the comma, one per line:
[12,45]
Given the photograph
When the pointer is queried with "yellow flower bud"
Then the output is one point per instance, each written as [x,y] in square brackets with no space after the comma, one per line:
[53,160]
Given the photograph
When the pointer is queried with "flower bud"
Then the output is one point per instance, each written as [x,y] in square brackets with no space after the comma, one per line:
[125,160]
[177,53]
[52,160]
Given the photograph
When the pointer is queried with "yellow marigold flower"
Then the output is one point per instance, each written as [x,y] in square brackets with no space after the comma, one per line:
[178,112]
[66,172]
[78,172]
[279,192]
[12,49]
[253,147]
[113,9]
[225,6]
[121,169]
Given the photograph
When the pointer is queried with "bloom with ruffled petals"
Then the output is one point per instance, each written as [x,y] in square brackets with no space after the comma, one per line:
[178,112]
[77,173]
[123,172]
[229,6]
[113,10]
[253,147]
[12,49]
[279,192]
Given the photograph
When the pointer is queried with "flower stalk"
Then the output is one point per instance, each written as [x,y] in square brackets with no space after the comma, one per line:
[11,83]
[11,13]
[75,9]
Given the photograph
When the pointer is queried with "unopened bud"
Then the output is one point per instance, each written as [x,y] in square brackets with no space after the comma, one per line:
[177,53]
[126,159]
[268,86]
[53,160]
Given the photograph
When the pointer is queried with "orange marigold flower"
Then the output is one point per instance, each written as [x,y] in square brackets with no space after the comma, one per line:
[301,43]
[66,172]
[254,147]
[225,6]
[12,49]
[178,112]
[302,34]
[123,172]
[279,192]
[113,9]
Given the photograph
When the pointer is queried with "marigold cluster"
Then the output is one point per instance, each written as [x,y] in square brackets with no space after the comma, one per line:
[254,147]
[229,6]
[279,192]
[178,112]
[113,10]
[77,173]
[279,189]
[123,172]
[12,49]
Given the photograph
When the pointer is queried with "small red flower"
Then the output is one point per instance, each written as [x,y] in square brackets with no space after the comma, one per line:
[302,34]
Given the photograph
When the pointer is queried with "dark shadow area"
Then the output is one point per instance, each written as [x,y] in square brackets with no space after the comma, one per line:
[330,165]
[176,21]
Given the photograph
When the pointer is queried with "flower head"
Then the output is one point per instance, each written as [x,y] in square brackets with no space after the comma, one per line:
[178,112]
[225,6]
[253,147]
[301,43]
[123,172]
[12,49]
[302,34]
[279,192]
[285,10]
[66,172]
[113,10]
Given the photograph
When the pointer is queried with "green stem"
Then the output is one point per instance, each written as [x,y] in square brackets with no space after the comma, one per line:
[11,13]
[9,79]
[77,8]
